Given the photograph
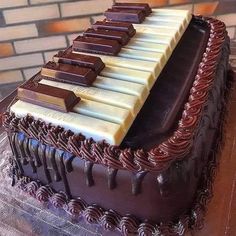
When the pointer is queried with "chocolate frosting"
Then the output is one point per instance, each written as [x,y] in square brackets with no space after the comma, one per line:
[176,147]
[128,224]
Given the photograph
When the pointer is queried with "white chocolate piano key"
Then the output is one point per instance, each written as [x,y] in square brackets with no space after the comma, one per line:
[175,32]
[148,66]
[154,38]
[166,25]
[122,100]
[153,47]
[170,12]
[137,76]
[88,126]
[121,86]
[135,53]
[105,112]
[155,30]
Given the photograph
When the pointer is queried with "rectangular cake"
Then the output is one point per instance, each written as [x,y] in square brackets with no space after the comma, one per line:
[123,127]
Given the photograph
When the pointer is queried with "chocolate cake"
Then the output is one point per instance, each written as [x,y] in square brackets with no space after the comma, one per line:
[123,127]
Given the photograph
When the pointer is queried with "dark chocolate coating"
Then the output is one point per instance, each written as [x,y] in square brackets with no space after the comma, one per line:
[135,6]
[67,57]
[157,196]
[47,96]
[96,45]
[125,15]
[119,36]
[170,90]
[68,73]
[116,26]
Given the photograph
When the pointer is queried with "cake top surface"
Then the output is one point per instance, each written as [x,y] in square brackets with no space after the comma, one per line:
[111,68]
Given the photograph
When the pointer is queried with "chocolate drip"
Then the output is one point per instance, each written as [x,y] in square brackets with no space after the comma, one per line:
[13,140]
[88,167]
[111,177]
[41,153]
[59,158]
[50,154]
[28,154]
[33,147]
[67,161]
[137,182]
[20,140]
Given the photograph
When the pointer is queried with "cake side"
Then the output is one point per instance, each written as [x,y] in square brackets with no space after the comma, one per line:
[90,171]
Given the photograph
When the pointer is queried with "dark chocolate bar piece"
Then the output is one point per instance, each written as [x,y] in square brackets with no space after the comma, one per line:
[67,57]
[116,26]
[69,73]
[125,15]
[96,45]
[47,96]
[134,6]
[119,36]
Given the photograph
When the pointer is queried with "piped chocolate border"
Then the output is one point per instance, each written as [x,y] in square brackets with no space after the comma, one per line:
[160,157]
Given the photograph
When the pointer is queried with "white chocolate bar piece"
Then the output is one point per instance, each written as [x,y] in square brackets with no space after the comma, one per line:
[143,55]
[163,50]
[105,112]
[148,66]
[121,86]
[126,74]
[88,126]
[122,100]
[154,38]
[144,28]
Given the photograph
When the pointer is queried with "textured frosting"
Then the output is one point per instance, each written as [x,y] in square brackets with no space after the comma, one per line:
[158,158]
[128,224]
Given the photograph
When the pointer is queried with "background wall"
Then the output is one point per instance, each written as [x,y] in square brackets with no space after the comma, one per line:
[31,31]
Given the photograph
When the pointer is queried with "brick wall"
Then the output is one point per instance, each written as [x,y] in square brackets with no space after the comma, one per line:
[31,31]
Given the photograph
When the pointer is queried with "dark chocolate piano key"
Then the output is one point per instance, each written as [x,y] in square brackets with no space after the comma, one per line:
[119,36]
[96,45]
[47,96]
[69,73]
[125,15]
[116,26]
[67,57]
[134,6]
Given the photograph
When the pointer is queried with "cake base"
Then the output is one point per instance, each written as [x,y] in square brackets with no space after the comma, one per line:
[111,220]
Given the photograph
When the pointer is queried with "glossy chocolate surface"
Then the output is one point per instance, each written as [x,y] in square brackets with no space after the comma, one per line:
[67,57]
[47,96]
[119,36]
[136,6]
[68,73]
[116,26]
[170,90]
[96,45]
[125,15]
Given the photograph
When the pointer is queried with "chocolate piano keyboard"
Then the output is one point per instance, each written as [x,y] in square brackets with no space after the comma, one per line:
[112,93]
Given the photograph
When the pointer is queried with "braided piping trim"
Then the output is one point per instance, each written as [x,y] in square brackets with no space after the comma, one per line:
[160,157]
